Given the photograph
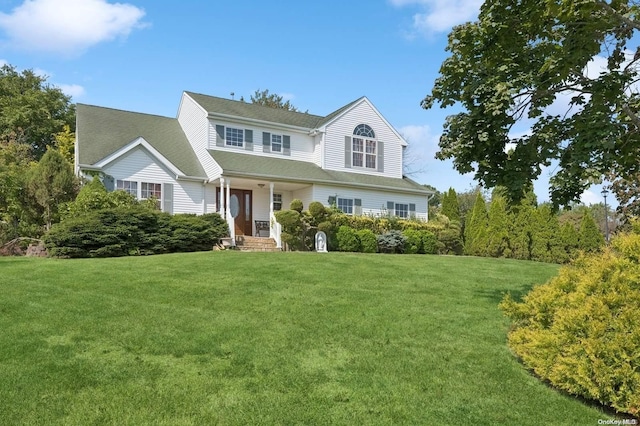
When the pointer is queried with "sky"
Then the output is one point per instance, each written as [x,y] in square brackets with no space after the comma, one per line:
[140,55]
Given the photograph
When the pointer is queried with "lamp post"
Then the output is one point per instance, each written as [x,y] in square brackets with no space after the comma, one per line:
[606,216]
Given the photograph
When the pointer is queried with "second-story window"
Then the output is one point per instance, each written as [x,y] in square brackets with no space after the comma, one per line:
[234,137]
[276,143]
[364,147]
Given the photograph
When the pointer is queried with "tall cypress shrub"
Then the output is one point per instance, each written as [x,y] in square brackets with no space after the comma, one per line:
[590,239]
[498,230]
[450,206]
[475,232]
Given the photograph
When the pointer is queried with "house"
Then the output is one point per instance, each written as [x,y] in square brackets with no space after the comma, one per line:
[246,161]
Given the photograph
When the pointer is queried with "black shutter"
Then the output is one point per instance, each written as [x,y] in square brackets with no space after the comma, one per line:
[391,208]
[332,201]
[167,202]
[248,139]
[266,142]
[412,210]
[347,151]
[380,156]
[286,144]
[220,135]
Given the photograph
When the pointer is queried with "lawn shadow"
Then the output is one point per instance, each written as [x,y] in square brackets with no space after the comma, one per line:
[497,295]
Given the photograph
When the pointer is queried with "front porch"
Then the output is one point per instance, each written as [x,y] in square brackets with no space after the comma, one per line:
[249,205]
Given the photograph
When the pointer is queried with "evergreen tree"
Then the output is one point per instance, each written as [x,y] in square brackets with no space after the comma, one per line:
[590,238]
[450,207]
[570,239]
[522,217]
[52,182]
[475,232]
[546,241]
[498,230]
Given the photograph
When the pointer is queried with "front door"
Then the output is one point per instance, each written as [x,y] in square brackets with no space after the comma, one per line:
[240,207]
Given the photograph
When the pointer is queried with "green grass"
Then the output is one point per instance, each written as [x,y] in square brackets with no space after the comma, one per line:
[268,338]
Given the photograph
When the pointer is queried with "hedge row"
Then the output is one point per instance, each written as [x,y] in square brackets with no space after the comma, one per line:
[366,241]
[133,230]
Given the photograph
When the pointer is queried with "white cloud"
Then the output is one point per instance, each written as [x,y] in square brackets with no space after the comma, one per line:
[440,15]
[3,62]
[73,90]
[68,27]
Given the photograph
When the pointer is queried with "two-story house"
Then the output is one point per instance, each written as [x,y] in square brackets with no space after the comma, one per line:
[246,161]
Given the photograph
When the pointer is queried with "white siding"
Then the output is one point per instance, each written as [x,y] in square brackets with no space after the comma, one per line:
[302,145]
[305,195]
[210,197]
[138,165]
[373,202]
[194,122]
[363,113]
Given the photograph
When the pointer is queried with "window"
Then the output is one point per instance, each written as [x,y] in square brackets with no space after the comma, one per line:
[276,143]
[128,186]
[402,210]
[151,190]
[234,137]
[364,147]
[346,205]
[277,202]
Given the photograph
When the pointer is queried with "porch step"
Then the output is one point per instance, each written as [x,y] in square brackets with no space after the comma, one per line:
[246,243]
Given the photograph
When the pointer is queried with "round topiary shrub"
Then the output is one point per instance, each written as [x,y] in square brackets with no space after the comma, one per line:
[368,241]
[296,205]
[581,330]
[317,211]
[347,239]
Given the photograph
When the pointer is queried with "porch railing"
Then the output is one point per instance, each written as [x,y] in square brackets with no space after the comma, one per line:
[275,230]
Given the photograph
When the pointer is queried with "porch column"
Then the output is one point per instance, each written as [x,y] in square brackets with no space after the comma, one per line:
[221,198]
[227,202]
[270,200]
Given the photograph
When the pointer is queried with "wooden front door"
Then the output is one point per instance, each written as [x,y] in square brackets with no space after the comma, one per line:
[240,205]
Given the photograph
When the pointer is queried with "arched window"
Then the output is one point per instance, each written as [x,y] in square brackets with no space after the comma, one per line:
[364,147]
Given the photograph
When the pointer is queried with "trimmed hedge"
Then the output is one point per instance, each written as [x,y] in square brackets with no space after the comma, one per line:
[134,230]
[581,330]
[347,239]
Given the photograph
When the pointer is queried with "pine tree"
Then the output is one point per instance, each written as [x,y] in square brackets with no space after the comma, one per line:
[590,238]
[570,239]
[521,230]
[475,232]
[546,241]
[498,229]
[450,207]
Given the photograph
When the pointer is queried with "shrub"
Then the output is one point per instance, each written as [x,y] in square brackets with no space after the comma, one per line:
[413,240]
[391,242]
[291,221]
[430,242]
[449,241]
[368,241]
[318,212]
[296,205]
[347,239]
[330,230]
[124,231]
[581,330]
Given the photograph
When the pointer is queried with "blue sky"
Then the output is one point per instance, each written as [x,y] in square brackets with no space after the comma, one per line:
[140,55]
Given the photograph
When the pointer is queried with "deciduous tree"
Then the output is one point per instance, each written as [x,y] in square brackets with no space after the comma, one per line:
[517,60]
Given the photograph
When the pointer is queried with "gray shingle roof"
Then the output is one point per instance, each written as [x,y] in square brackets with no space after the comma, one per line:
[102,131]
[213,104]
[280,169]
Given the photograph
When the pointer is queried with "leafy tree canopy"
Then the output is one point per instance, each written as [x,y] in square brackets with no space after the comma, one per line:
[518,59]
[32,111]
[273,100]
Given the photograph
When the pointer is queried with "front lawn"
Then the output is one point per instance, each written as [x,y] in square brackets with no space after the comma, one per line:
[268,338]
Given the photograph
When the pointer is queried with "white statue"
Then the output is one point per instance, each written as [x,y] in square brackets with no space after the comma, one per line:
[321,242]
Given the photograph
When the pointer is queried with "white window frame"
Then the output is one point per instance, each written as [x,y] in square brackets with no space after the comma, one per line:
[277,202]
[346,205]
[276,143]
[151,192]
[129,186]
[364,148]
[234,137]
[401,210]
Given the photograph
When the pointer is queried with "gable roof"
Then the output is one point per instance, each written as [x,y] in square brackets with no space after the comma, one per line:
[214,105]
[258,166]
[103,131]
